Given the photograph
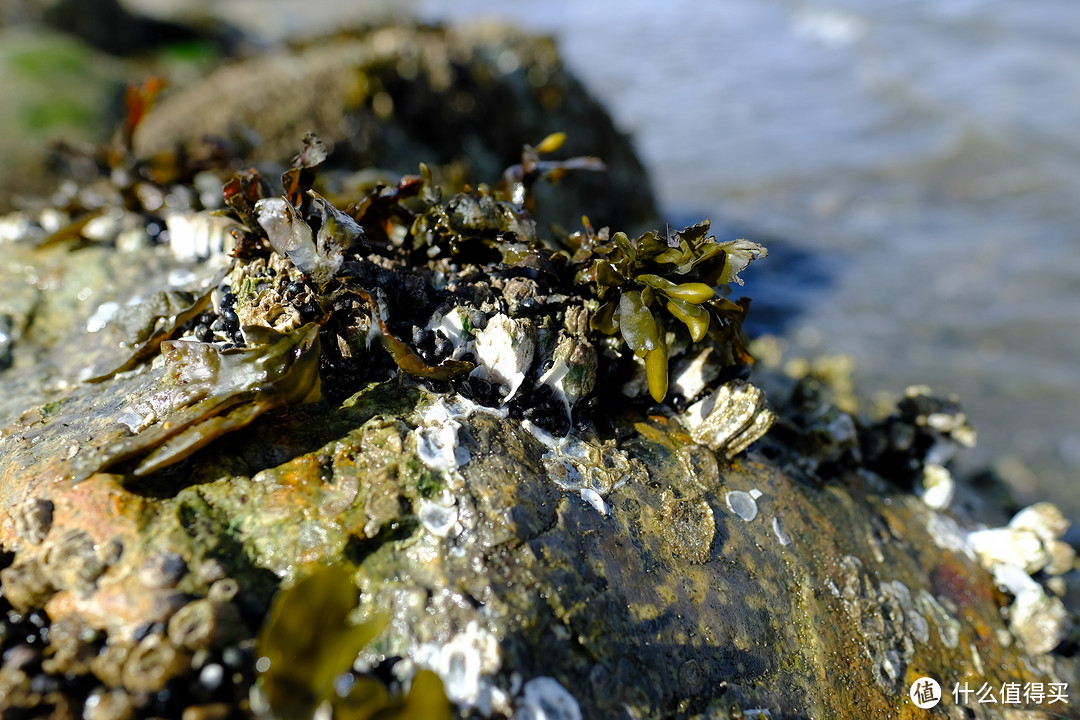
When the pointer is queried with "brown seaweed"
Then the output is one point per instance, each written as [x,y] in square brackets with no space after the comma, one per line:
[211,392]
[177,310]
[307,646]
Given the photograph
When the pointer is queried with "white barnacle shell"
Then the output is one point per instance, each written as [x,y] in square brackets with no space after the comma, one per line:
[938,487]
[781,536]
[440,515]
[742,504]
[692,376]
[1044,519]
[464,663]
[15,226]
[451,325]
[729,419]
[544,698]
[1009,546]
[505,350]
[437,443]
[595,499]
[1039,621]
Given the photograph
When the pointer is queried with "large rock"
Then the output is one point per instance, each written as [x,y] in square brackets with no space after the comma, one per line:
[669,581]
[571,552]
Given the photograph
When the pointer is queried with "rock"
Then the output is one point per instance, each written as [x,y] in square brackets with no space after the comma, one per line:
[726,560]
[531,563]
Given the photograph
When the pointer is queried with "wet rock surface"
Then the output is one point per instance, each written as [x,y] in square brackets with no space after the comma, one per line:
[542,535]
[666,600]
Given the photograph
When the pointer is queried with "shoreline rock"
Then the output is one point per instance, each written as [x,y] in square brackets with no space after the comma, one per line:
[163,471]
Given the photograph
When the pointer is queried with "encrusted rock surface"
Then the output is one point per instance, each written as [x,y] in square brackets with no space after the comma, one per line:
[662,600]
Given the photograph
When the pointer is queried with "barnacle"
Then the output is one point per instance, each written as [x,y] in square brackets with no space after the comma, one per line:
[685,273]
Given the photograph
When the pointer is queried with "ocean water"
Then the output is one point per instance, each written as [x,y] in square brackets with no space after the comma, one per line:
[914,167]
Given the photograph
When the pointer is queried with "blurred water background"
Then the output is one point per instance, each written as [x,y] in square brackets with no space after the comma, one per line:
[914,168]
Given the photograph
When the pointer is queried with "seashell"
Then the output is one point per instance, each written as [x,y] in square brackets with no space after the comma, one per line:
[544,697]
[730,419]
[1009,546]
[742,504]
[505,349]
[1044,519]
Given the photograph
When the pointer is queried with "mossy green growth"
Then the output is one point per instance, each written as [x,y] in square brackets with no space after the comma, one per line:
[427,482]
[306,644]
[56,113]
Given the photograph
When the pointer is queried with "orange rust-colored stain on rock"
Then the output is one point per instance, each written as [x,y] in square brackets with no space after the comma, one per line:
[973,597]
[954,582]
[100,506]
[302,472]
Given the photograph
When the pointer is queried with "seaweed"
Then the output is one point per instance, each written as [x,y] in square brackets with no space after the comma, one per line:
[213,392]
[162,317]
[519,179]
[685,272]
[307,646]
[312,287]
